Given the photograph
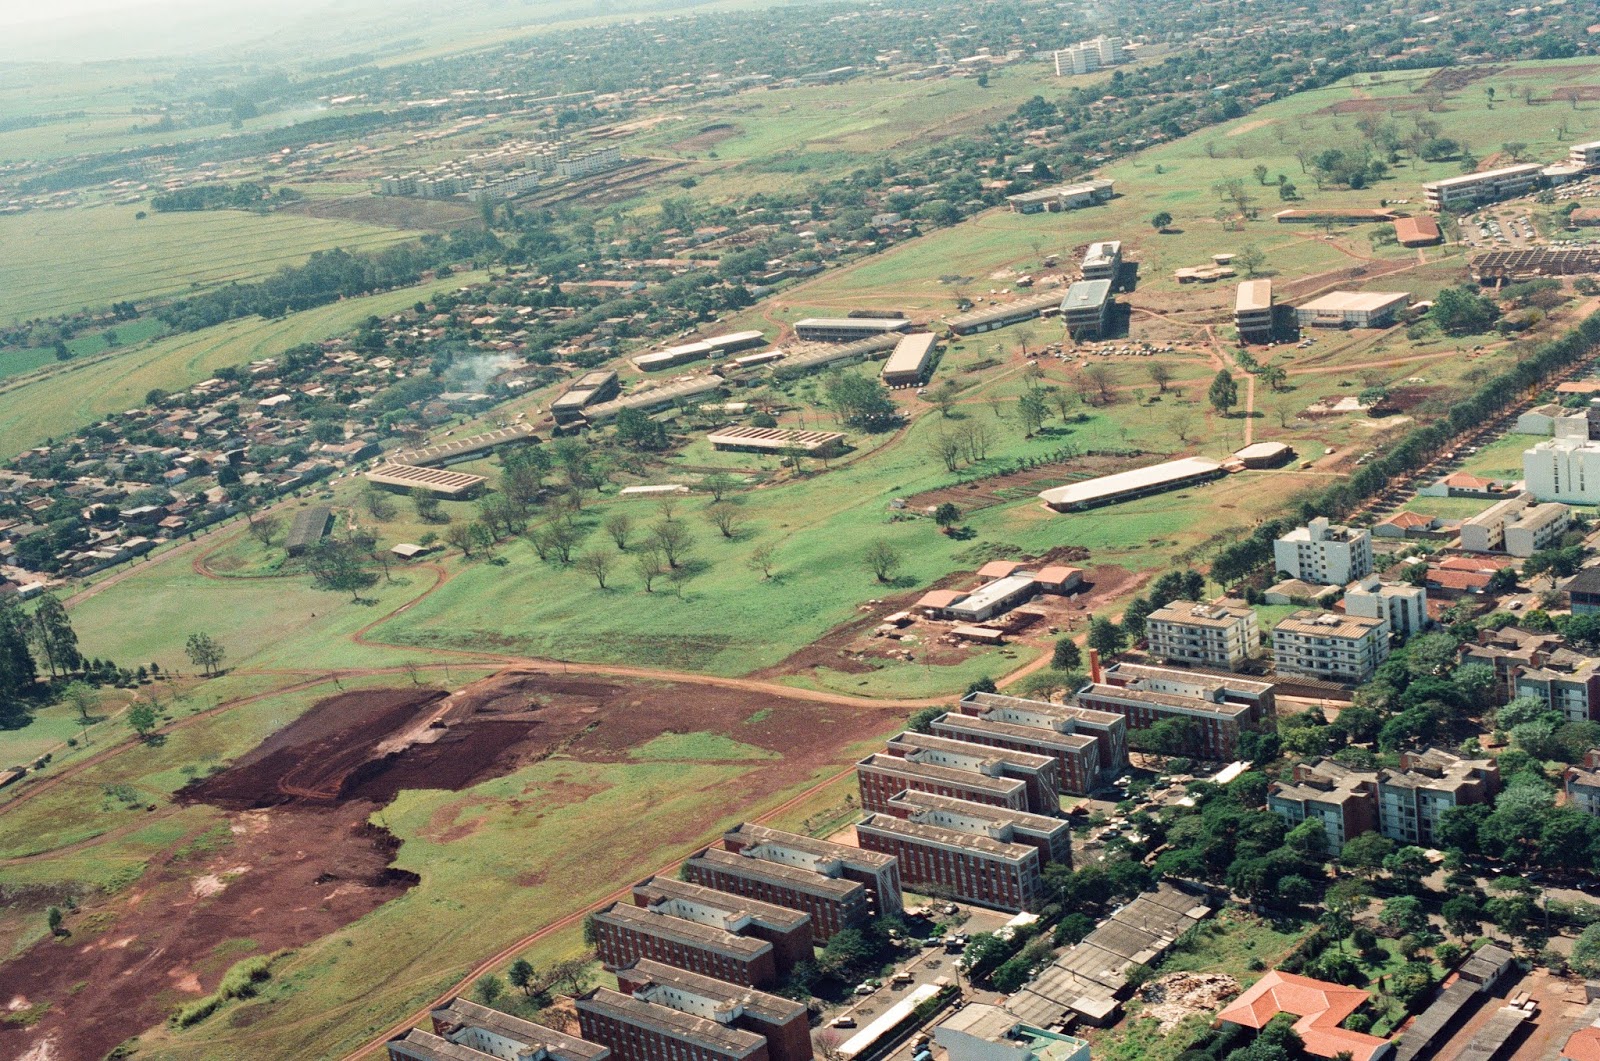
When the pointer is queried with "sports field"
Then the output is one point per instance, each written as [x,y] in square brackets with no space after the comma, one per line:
[61,261]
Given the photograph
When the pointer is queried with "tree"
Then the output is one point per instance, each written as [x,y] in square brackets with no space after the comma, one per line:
[944,396]
[1403,914]
[54,918]
[521,974]
[1585,959]
[618,525]
[1105,636]
[142,719]
[947,515]
[718,485]
[489,988]
[860,401]
[763,558]
[1252,259]
[1224,392]
[1365,852]
[1104,380]
[1182,424]
[53,635]
[204,651]
[336,566]
[672,541]
[1066,656]
[265,528]
[726,517]
[883,559]
[947,447]
[1160,375]
[597,563]
[651,565]
[1033,411]
[1260,173]
[427,505]
[921,721]
[1160,221]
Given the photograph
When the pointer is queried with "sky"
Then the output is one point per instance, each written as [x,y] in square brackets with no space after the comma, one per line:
[32,12]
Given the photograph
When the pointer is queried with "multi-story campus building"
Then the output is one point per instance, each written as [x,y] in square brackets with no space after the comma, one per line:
[1086,57]
[1324,554]
[637,1030]
[1352,309]
[1583,784]
[623,934]
[1586,155]
[1563,469]
[1103,260]
[1403,606]
[1428,783]
[1086,309]
[1087,745]
[834,903]
[789,931]
[1330,647]
[466,1031]
[1203,635]
[1252,311]
[1221,707]
[960,853]
[1062,197]
[847,329]
[1040,773]
[1583,591]
[1516,526]
[878,874]
[1342,799]
[783,1023]
[1468,190]
[881,777]
[1052,836]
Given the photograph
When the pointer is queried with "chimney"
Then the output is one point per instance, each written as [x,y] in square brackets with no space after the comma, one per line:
[1094,665]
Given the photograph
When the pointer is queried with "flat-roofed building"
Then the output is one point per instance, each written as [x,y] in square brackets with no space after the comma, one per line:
[1040,773]
[1509,651]
[1568,681]
[733,342]
[1563,469]
[784,1023]
[653,398]
[834,903]
[1324,554]
[673,356]
[1342,799]
[1252,311]
[964,858]
[908,363]
[1203,635]
[1253,694]
[1125,486]
[624,934]
[994,598]
[1352,309]
[1330,647]
[592,387]
[847,329]
[1582,783]
[1052,836]
[789,931]
[1076,755]
[881,777]
[637,1030]
[494,1033]
[988,318]
[439,482]
[1454,193]
[1586,155]
[309,527]
[1086,57]
[1061,197]
[1086,309]
[419,1045]
[1103,260]
[878,874]
[1428,783]
[741,438]
[1217,723]
[1402,606]
[1109,733]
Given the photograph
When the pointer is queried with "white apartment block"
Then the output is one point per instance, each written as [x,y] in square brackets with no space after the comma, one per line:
[1323,554]
[1518,526]
[1402,607]
[1102,260]
[1585,155]
[1086,57]
[1203,635]
[1336,648]
[1486,187]
[1563,469]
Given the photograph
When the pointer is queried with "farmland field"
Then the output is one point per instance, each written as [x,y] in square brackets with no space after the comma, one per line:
[62,261]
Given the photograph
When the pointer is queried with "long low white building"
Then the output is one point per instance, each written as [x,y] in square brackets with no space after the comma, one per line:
[1352,309]
[1125,486]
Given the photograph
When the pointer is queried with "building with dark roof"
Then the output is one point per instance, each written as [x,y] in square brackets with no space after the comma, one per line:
[1583,590]
[1106,756]
[1221,707]
[789,931]
[878,874]
[310,526]
[637,1030]
[624,934]
[784,1023]
[961,854]
[881,777]
[1052,836]
[834,903]
[1041,774]
[499,1034]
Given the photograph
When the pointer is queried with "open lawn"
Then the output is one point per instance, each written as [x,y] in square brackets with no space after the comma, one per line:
[60,261]
[35,408]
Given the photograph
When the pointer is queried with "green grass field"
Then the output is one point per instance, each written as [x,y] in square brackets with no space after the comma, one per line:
[61,261]
[80,393]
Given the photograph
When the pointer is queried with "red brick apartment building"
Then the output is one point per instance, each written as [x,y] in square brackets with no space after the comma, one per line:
[789,931]
[1090,746]
[783,1023]
[636,1030]
[1041,774]
[834,904]
[883,777]
[624,934]
[960,854]
[879,874]
[1221,706]
[1052,836]
[466,1031]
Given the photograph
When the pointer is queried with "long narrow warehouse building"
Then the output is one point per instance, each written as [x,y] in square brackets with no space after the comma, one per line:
[1125,486]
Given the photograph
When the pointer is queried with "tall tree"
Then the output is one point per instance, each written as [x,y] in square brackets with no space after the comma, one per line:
[204,651]
[54,637]
[1224,392]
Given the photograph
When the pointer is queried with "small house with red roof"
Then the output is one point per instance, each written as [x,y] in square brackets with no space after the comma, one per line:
[1321,1007]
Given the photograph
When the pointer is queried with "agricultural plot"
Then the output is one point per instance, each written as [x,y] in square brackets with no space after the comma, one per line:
[61,261]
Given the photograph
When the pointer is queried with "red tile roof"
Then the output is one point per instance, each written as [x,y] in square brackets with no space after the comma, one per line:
[940,598]
[1411,519]
[1320,1007]
[1057,573]
[1414,230]
[1475,563]
[1468,581]
[1582,1045]
[1467,482]
[998,568]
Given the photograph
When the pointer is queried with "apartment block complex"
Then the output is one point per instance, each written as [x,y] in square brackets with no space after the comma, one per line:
[1324,554]
[881,777]
[1203,635]
[1330,647]
[1403,805]
[1563,469]
[1468,190]
[623,934]
[1511,650]
[1582,783]
[1086,57]
[1040,774]
[1516,526]
[466,1031]
[1342,799]
[834,904]
[782,1022]
[637,1030]
[961,853]
[1087,745]
[1221,707]
[1567,681]
[1402,606]
[1051,836]
[879,875]
[789,931]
